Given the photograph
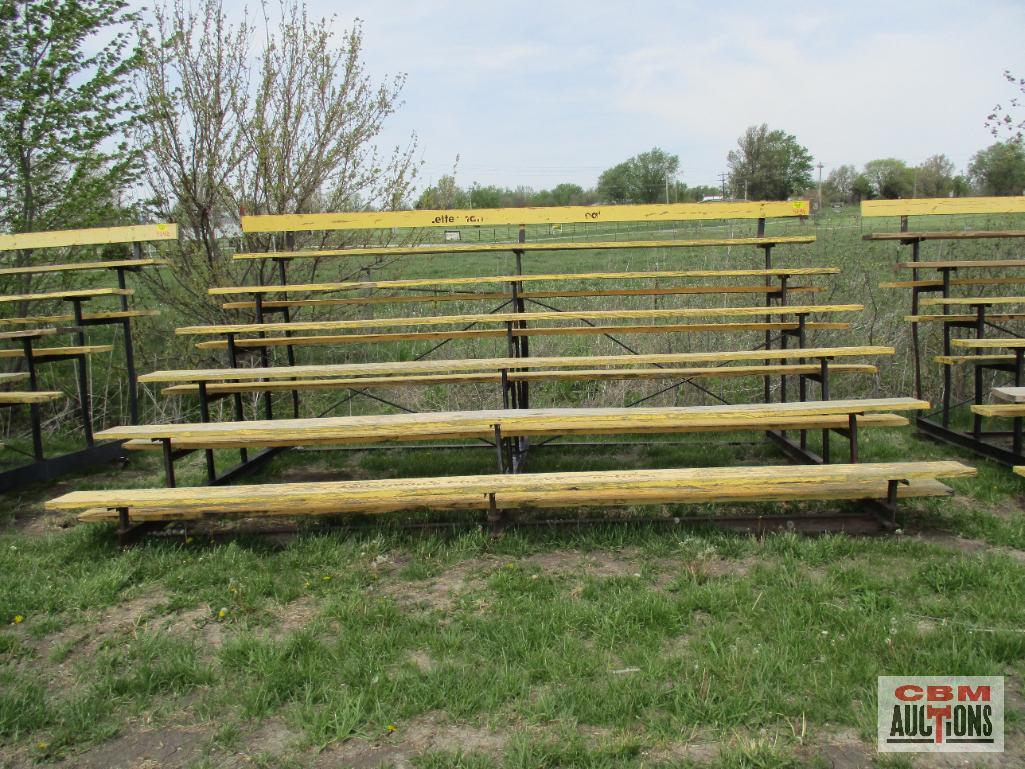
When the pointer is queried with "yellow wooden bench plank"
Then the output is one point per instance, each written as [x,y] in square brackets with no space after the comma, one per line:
[988,344]
[953,360]
[506,317]
[32,320]
[137,233]
[971,300]
[1012,394]
[79,293]
[478,248]
[34,396]
[946,235]
[500,296]
[1019,469]
[488,217]
[31,333]
[959,318]
[497,364]
[943,206]
[715,372]
[342,339]
[64,352]
[283,436]
[354,285]
[999,409]
[963,264]
[471,424]
[913,489]
[13,376]
[108,265]
[692,485]
[955,282]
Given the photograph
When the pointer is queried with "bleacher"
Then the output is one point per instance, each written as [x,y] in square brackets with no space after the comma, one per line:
[58,270]
[761,339]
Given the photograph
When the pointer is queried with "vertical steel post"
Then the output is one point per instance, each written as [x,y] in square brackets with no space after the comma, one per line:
[126,331]
[980,332]
[286,315]
[81,363]
[824,384]
[236,397]
[268,406]
[948,373]
[34,411]
[168,463]
[204,413]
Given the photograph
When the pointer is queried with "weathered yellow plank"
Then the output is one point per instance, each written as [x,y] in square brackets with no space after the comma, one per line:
[943,206]
[479,248]
[948,235]
[73,293]
[415,336]
[475,280]
[13,376]
[994,343]
[502,216]
[32,320]
[999,409]
[32,333]
[107,265]
[65,352]
[963,264]
[953,360]
[706,484]
[35,396]
[713,372]
[474,424]
[513,317]
[1019,469]
[497,364]
[1017,280]
[137,233]
[971,300]
[959,318]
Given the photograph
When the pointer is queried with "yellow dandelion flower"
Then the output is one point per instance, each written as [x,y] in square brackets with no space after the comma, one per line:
[327,577]
[42,745]
[18,619]
[392,727]
[222,614]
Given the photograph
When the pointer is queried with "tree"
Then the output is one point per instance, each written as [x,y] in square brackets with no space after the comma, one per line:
[889,178]
[643,178]
[1000,120]
[861,188]
[768,165]
[999,169]
[934,178]
[444,194]
[567,194]
[286,127]
[65,105]
[839,185]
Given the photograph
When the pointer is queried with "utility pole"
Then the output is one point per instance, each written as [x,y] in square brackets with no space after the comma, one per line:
[667,182]
[820,185]
[722,181]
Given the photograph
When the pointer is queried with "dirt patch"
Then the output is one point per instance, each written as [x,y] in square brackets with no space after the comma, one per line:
[840,749]
[163,748]
[428,733]
[273,737]
[295,616]
[970,546]
[443,592]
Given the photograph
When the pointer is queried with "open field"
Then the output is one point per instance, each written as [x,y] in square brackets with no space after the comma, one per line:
[589,647]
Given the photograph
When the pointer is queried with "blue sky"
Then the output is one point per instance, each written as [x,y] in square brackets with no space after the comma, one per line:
[536,93]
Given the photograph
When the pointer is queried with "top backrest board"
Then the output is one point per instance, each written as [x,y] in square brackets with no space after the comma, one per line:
[97,236]
[489,217]
[943,206]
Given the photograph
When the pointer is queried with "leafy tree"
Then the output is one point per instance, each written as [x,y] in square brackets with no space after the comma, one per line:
[65,105]
[999,169]
[934,178]
[889,178]
[861,188]
[444,194]
[567,194]
[768,165]
[1000,120]
[281,126]
[641,179]
[839,185]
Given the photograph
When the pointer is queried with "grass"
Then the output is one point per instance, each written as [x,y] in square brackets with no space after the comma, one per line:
[604,646]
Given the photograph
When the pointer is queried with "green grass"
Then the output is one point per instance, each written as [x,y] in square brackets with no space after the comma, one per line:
[602,646]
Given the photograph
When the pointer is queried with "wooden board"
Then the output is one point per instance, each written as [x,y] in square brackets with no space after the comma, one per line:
[995,343]
[697,485]
[30,333]
[478,248]
[999,409]
[79,293]
[963,264]
[945,235]
[24,398]
[138,233]
[1017,280]
[416,336]
[714,372]
[492,217]
[1019,469]
[32,320]
[284,436]
[62,352]
[457,423]
[1012,394]
[958,318]
[943,206]
[356,285]
[497,364]
[108,265]
[971,300]
[514,317]
[13,376]
[954,360]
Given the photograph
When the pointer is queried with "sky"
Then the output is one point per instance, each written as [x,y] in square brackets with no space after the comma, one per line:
[538,93]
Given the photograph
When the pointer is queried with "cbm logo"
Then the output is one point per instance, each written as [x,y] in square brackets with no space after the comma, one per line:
[941,714]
